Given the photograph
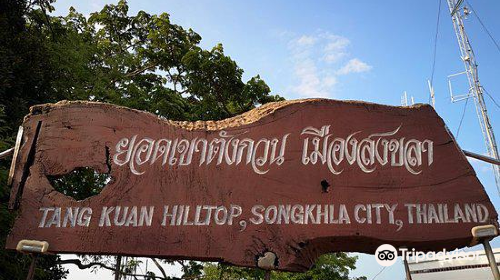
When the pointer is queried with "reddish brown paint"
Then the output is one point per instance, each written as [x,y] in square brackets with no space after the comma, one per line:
[78,134]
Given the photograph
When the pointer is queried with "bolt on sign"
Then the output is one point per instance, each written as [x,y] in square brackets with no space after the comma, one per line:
[285,182]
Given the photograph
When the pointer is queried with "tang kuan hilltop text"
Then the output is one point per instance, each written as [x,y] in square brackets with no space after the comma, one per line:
[284,214]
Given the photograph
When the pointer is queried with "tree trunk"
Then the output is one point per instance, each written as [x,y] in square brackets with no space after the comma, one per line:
[118,267]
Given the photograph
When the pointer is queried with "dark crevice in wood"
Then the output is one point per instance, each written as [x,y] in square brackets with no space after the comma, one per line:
[29,162]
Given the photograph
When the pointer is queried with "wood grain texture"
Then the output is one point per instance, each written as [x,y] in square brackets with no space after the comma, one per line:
[82,134]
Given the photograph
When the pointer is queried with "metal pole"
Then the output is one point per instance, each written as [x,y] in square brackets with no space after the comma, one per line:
[118,267]
[31,271]
[404,256]
[407,269]
[491,259]
[481,157]
[6,153]
[476,90]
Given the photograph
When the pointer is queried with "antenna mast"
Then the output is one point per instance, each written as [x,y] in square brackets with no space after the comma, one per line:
[475,90]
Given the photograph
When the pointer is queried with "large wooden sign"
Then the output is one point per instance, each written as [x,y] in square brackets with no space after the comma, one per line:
[296,179]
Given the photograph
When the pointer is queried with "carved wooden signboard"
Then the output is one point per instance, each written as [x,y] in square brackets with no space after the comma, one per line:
[297,178]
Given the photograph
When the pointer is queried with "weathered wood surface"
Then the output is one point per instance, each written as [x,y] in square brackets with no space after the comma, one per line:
[61,137]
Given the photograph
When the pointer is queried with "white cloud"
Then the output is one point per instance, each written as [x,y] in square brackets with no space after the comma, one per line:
[335,47]
[306,40]
[336,43]
[334,57]
[315,59]
[354,66]
[311,82]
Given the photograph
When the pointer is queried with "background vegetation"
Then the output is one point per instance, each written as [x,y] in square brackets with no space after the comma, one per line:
[141,61]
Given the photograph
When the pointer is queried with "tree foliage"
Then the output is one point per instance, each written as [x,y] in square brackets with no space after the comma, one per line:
[24,81]
[146,62]
[335,266]
[142,61]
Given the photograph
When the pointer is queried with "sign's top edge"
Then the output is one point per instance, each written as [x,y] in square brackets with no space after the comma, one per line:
[249,117]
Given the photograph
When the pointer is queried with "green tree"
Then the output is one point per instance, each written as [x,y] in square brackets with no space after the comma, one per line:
[24,72]
[141,61]
[335,266]
[146,62]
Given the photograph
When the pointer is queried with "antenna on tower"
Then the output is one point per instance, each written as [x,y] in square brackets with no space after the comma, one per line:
[475,88]
[404,100]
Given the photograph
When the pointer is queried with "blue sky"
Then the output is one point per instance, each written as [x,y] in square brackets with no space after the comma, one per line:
[359,50]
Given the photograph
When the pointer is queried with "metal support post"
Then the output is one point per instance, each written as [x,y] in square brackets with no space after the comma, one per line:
[31,271]
[407,269]
[491,259]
